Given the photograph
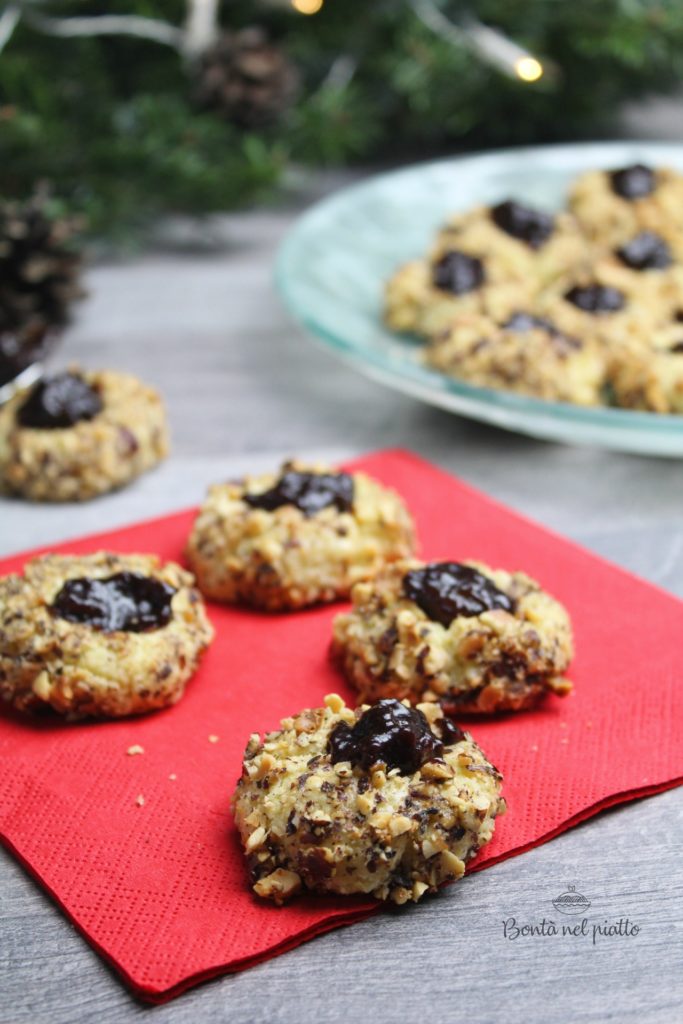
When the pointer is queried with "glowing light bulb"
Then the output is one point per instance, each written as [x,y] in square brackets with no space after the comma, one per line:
[307,6]
[528,69]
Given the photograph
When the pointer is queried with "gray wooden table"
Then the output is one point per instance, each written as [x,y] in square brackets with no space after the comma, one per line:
[245,388]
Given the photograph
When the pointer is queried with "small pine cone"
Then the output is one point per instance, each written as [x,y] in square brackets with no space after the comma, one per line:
[39,279]
[247,79]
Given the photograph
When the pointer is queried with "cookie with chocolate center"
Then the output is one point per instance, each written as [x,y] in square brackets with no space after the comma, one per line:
[79,434]
[99,635]
[388,801]
[299,537]
[479,639]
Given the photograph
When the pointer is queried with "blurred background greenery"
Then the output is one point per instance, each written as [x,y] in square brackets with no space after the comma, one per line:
[199,106]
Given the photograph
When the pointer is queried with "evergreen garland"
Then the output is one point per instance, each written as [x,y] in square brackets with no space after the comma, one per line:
[112,123]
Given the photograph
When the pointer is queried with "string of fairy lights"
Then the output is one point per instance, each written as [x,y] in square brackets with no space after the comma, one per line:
[201,28]
[489,44]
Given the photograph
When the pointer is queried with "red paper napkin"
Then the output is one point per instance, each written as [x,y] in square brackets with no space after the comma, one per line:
[158,885]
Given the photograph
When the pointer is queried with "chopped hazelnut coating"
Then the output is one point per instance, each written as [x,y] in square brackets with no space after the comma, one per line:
[492,659]
[393,832]
[81,457]
[63,655]
[305,536]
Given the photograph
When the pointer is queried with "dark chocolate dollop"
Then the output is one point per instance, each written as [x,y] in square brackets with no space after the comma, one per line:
[633,182]
[522,321]
[450,732]
[647,251]
[126,601]
[390,733]
[445,590]
[458,273]
[596,298]
[523,222]
[562,343]
[309,492]
[57,402]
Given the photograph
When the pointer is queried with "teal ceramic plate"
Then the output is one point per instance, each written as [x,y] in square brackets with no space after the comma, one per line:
[332,265]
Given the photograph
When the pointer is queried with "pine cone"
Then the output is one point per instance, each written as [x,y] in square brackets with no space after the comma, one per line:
[39,279]
[247,79]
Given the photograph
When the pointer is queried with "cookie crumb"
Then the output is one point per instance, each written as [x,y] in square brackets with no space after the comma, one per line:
[173,776]
[334,702]
[140,800]
[135,749]
[534,747]
[213,738]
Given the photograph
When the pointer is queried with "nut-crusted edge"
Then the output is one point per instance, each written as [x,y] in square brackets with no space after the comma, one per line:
[386,646]
[308,824]
[78,671]
[649,376]
[541,362]
[128,437]
[283,560]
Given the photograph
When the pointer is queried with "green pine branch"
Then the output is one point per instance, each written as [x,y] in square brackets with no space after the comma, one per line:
[110,123]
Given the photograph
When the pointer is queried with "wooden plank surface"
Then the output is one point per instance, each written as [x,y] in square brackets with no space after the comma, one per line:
[244,389]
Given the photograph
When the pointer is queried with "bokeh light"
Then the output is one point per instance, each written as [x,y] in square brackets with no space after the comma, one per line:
[528,69]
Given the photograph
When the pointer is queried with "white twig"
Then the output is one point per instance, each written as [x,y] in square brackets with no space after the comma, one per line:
[341,72]
[8,22]
[430,15]
[201,27]
[107,25]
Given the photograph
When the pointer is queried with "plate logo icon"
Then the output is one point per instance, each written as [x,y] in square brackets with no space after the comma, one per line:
[571,902]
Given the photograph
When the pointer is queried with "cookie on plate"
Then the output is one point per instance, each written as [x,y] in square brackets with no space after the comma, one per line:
[525,353]
[479,639]
[487,261]
[614,205]
[99,635]
[389,801]
[516,242]
[296,538]
[648,271]
[424,296]
[648,375]
[602,304]
[79,434]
